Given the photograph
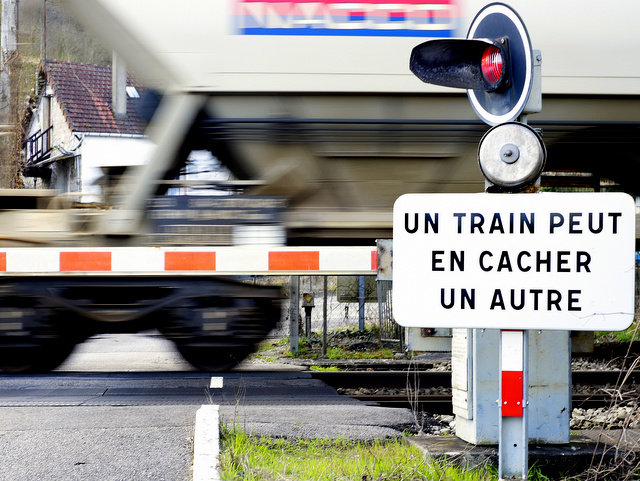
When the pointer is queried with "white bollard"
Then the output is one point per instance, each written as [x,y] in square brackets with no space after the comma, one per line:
[206,444]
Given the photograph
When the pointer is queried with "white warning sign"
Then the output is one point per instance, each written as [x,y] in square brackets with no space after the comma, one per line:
[514,261]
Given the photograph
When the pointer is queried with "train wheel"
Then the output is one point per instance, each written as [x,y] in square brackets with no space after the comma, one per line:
[33,358]
[205,357]
[215,330]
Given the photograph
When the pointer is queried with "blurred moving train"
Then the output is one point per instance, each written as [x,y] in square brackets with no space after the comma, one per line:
[313,103]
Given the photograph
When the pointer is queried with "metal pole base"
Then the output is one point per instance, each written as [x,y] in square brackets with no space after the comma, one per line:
[513,450]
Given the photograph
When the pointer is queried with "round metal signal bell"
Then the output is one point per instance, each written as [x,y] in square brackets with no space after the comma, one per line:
[512,155]
[492,66]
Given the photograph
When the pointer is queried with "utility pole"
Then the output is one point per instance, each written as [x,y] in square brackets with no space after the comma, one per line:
[43,45]
[8,114]
[9,44]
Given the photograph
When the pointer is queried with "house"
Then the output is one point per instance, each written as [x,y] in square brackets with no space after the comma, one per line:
[81,130]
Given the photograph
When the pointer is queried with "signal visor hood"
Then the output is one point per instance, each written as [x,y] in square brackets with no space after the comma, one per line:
[462,63]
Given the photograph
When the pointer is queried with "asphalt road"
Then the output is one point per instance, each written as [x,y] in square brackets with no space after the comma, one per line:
[123,408]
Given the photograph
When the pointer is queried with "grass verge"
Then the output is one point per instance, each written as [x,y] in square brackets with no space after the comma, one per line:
[325,368]
[632,333]
[257,458]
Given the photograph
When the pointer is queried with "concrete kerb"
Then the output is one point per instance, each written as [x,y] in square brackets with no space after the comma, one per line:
[568,459]
[206,439]
[206,444]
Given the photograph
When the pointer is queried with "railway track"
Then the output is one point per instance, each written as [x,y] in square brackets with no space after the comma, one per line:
[430,391]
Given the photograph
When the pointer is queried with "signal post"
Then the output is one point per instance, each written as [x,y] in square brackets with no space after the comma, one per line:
[533,265]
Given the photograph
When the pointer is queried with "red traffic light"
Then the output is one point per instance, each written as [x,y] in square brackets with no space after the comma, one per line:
[477,64]
[492,66]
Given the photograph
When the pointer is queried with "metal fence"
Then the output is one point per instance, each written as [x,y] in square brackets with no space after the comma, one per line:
[341,314]
[390,330]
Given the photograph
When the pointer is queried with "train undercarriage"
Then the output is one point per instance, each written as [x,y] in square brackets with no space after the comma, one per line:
[214,322]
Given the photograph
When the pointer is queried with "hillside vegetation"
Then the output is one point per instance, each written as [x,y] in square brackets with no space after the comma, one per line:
[65,40]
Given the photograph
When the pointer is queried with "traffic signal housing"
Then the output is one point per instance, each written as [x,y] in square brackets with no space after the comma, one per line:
[494,63]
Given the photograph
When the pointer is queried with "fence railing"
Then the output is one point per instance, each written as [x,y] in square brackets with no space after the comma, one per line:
[39,146]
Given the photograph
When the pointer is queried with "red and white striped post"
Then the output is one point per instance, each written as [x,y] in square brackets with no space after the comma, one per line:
[514,442]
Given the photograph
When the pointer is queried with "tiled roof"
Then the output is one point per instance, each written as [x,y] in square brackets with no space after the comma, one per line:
[84,91]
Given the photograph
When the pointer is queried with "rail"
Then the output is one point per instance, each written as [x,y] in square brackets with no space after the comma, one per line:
[386,384]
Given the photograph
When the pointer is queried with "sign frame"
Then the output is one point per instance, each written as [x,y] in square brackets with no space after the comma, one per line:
[514,261]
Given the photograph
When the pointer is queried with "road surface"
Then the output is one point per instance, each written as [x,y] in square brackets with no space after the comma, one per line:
[123,408]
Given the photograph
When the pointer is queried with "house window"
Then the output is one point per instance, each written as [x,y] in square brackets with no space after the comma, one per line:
[132,92]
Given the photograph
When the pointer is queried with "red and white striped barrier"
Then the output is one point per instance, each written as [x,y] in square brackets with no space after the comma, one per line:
[193,260]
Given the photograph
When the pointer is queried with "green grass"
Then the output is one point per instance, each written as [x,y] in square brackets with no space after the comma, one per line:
[340,353]
[325,368]
[270,344]
[305,350]
[249,458]
[632,333]
[265,358]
